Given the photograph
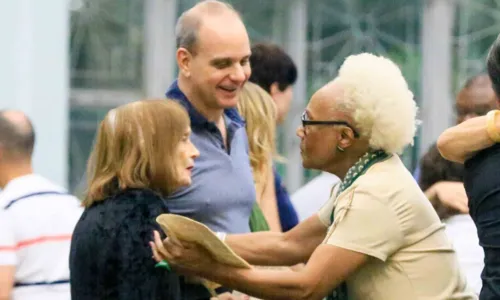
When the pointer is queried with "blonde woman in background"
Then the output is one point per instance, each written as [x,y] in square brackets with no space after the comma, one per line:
[259,112]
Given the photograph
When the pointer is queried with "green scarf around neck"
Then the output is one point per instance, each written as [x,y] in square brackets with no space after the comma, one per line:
[359,168]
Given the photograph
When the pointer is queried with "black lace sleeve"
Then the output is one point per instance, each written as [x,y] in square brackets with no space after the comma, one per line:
[137,277]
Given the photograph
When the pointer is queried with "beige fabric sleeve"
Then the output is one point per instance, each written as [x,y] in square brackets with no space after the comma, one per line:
[325,211]
[369,226]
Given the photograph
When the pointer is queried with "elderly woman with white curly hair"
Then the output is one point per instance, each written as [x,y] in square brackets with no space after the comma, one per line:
[377,237]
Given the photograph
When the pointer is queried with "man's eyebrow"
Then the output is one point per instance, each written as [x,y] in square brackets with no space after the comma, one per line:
[220,60]
[228,58]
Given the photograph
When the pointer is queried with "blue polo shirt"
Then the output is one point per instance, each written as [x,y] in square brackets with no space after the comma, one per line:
[222,192]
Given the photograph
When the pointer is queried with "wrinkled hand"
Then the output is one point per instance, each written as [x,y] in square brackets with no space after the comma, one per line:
[186,258]
[452,196]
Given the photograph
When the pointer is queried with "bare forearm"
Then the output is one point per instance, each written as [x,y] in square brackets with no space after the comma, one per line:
[461,142]
[265,283]
[265,249]
[6,281]
[272,218]
[277,248]
[439,207]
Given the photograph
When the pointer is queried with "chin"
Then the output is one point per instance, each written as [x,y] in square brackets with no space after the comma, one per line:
[228,103]
[309,165]
[185,181]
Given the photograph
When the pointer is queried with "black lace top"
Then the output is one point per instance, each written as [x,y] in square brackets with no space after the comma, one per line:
[110,255]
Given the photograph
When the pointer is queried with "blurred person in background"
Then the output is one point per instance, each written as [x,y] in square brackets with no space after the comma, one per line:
[142,154]
[37,218]
[274,71]
[259,112]
[442,180]
[378,237]
[460,228]
[213,53]
[476,144]
[309,198]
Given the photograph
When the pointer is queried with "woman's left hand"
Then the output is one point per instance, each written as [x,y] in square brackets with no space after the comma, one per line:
[187,258]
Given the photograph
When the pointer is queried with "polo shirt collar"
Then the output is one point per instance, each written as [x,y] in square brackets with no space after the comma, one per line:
[197,119]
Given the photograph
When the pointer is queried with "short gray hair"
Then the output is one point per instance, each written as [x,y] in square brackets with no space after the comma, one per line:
[188,24]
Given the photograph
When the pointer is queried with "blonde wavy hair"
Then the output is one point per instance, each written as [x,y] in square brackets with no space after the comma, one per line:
[257,107]
[135,148]
[378,98]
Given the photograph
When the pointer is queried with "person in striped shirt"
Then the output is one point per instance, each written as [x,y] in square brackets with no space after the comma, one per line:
[37,219]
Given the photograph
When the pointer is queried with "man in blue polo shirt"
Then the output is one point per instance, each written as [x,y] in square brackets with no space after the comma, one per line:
[213,51]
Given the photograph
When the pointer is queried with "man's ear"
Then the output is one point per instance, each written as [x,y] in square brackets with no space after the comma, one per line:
[184,58]
[345,138]
[274,89]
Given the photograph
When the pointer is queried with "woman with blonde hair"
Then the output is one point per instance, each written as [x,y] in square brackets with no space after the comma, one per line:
[259,112]
[142,154]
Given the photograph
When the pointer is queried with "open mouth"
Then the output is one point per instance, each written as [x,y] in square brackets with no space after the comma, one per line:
[228,89]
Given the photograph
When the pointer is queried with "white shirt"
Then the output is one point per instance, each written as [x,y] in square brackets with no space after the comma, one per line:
[310,198]
[37,219]
[462,232]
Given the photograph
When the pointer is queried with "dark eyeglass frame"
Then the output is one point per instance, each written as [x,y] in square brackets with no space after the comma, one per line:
[306,122]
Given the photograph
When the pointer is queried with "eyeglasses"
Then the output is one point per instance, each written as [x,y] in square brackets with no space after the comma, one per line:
[305,121]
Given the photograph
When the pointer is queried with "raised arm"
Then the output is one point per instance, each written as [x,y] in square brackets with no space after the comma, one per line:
[462,141]
[280,249]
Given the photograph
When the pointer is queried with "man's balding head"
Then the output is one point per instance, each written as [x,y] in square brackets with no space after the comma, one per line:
[189,23]
[17,137]
[213,57]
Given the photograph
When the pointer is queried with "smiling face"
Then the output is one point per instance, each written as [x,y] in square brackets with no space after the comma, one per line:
[185,154]
[220,67]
